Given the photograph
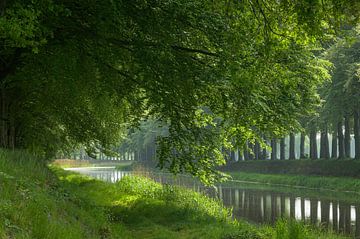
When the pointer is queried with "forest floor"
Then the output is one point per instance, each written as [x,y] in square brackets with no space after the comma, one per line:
[41,202]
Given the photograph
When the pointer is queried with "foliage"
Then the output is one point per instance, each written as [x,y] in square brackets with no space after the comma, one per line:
[342,93]
[80,73]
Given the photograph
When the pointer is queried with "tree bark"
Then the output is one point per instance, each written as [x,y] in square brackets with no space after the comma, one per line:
[282,149]
[347,136]
[302,146]
[257,150]
[334,145]
[292,146]
[251,151]
[341,140]
[357,134]
[240,155]
[4,120]
[246,152]
[324,144]
[264,151]
[313,144]
[273,149]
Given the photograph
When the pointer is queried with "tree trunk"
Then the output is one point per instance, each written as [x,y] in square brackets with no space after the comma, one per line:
[341,140]
[257,150]
[334,145]
[246,152]
[313,144]
[302,146]
[4,121]
[282,149]
[251,151]
[273,149]
[357,134]
[264,152]
[240,155]
[232,156]
[324,144]
[292,146]
[347,136]
[327,146]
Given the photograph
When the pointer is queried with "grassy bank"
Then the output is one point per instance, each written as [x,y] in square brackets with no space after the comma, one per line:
[321,167]
[38,202]
[313,182]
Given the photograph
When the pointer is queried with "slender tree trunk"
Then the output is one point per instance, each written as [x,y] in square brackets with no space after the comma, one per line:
[357,134]
[347,136]
[327,146]
[240,155]
[334,145]
[341,140]
[292,146]
[246,152]
[232,156]
[302,146]
[257,150]
[273,149]
[313,144]
[282,149]
[3,120]
[251,151]
[264,154]
[324,144]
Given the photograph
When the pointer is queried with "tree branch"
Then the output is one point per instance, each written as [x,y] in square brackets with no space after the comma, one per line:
[150,44]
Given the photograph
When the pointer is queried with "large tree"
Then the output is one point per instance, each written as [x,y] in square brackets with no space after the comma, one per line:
[220,74]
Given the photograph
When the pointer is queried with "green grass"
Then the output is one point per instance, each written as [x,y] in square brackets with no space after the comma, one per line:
[320,167]
[315,182]
[38,202]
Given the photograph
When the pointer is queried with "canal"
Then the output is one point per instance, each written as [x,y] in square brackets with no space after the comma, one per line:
[264,204]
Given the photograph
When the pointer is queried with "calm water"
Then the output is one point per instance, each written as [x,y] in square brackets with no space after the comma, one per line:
[261,205]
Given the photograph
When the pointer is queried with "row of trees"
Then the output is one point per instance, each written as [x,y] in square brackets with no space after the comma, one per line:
[337,115]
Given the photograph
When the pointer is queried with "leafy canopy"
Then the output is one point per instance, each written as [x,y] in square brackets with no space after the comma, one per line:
[218,73]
